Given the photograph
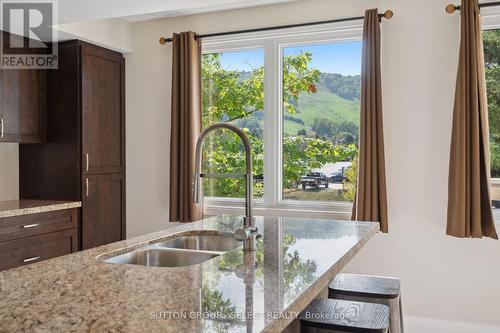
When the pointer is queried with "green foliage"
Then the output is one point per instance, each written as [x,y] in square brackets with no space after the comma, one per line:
[224,153]
[214,303]
[303,154]
[350,182]
[296,272]
[340,132]
[491,41]
[298,78]
[347,87]
[294,119]
[238,97]
[225,97]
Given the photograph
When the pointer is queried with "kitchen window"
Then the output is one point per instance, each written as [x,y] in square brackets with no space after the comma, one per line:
[233,92]
[320,120]
[296,95]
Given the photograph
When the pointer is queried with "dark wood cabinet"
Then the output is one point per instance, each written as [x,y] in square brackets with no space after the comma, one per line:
[34,249]
[37,224]
[36,237]
[85,141]
[23,105]
[104,209]
[102,117]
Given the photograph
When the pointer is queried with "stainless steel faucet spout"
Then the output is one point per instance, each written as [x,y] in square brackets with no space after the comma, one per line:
[249,230]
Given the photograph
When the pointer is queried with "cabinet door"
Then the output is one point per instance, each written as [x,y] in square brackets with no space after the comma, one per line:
[23,104]
[103,211]
[102,111]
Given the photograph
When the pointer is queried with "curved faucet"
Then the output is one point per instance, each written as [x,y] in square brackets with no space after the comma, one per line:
[249,231]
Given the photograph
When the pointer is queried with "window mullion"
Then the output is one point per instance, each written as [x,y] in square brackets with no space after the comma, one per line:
[271,124]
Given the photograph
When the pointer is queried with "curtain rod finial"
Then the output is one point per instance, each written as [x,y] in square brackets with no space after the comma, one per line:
[388,14]
[163,40]
[450,9]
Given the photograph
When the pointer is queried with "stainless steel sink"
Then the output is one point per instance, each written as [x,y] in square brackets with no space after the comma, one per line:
[161,257]
[216,243]
[179,251]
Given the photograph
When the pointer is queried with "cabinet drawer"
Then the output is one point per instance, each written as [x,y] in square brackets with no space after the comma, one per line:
[37,224]
[34,249]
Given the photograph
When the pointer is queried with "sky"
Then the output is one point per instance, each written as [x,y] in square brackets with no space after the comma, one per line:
[341,58]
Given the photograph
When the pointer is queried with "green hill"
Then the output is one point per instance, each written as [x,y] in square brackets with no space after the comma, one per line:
[335,102]
[326,103]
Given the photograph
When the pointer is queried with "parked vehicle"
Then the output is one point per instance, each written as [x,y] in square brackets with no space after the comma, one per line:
[337,177]
[314,179]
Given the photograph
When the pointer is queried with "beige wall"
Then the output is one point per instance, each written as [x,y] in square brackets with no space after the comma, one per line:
[443,277]
[9,171]
[113,33]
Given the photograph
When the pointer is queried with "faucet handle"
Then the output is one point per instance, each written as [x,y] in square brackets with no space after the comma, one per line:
[242,234]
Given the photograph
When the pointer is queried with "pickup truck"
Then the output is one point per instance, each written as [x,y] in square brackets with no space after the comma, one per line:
[314,179]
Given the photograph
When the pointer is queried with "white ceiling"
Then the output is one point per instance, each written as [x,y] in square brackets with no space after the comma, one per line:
[71,11]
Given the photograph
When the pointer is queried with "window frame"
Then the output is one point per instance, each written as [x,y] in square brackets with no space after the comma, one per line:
[273,43]
[491,21]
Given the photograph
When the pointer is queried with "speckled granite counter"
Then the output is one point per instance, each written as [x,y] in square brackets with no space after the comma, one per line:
[25,207]
[295,260]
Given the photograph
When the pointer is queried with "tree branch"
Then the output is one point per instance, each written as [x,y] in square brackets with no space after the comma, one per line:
[242,116]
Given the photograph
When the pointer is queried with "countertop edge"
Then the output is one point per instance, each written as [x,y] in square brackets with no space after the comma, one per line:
[318,286]
[41,209]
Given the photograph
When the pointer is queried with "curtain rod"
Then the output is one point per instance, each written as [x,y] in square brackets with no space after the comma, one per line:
[388,14]
[451,8]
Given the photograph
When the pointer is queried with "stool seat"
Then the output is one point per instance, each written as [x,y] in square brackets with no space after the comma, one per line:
[364,286]
[346,316]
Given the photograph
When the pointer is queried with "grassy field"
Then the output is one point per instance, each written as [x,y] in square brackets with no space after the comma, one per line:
[322,104]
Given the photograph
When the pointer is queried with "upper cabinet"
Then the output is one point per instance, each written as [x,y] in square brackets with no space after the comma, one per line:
[23,104]
[102,110]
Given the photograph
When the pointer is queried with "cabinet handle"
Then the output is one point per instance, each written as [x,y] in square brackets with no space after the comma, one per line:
[31,259]
[87,162]
[30,226]
[1,128]
[87,187]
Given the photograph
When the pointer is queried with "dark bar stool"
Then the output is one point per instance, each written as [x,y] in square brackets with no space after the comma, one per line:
[335,315]
[371,289]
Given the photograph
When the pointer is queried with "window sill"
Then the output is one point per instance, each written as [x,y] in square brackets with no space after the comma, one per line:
[334,210]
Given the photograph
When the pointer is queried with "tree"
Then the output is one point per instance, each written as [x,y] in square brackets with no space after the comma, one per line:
[340,132]
[347,87]
[492,61]
[351,180]
[302,132]
[238,97]
[303,154]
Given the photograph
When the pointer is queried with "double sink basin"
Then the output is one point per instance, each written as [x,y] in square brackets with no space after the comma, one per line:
[179,251]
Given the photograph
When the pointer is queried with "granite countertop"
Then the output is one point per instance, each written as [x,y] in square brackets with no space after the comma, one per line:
[294,261]
[24,207]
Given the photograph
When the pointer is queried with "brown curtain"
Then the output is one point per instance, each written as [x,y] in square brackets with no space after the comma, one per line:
[185,125]
[370,203]
[469,204]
